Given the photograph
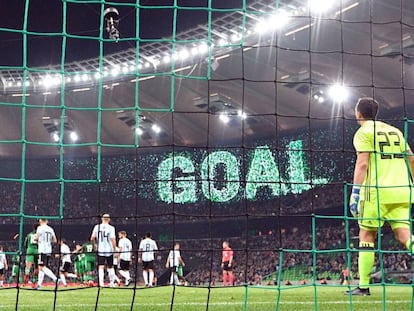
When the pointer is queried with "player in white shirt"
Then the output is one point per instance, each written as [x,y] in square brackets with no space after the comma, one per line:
[174,260]
[65,268]
[147,247]
[104,241]
[3,265]
[125,256]
[45,237]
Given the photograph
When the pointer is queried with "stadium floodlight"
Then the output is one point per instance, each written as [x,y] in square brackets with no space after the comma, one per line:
[279,19]
[85,77]
[156,128]
[10,84]
[47,81]
[222,41]
[184,54]
[139,131]
[125,69]
[68,79]
[77,78]
[194,50]
[74,136]
[224,118]
[203,48]
[147,65]
[320,6]
[27,83]
[55,136]
[338,93]
[115,72]
[261,27]
[242,114]
[97,75]
[166,59]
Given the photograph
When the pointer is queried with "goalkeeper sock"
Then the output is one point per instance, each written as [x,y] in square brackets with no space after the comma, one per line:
[366,260]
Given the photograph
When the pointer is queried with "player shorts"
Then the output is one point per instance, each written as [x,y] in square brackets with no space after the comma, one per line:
[89,265]
[65,267]
[374,215]
[79,267]
[109,260]
[43,260]
[226,266]
[124,265]
[32,258]
[148,265]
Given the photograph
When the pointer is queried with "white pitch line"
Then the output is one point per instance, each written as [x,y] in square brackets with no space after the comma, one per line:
[354,302]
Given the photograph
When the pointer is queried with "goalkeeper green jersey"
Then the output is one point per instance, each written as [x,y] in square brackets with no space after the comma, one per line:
[388,176]
[31,243]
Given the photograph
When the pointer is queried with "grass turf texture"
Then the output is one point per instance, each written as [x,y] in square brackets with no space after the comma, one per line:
[228,299]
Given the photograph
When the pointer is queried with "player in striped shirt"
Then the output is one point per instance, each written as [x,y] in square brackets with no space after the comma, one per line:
[125,256]
[104,241]
[382,186]
[147,247]
[45,238]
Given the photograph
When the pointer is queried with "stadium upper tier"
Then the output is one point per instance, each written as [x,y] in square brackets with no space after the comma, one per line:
[241,74]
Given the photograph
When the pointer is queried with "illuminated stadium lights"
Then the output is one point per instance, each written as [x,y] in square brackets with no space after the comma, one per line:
[85,77]
[166,59]
[156,129]
[77,78]
[125,70]
[224,118]
[242,114]
[338,93]
[275,21]
[222,41]
[319,97]
[203,48]
[184,54]
[194,50]
[139,131]
[55,136]
[147,65]
[97,75]
[320,6]
[74,136]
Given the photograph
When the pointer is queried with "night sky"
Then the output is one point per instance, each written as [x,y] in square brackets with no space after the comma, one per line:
[83,19]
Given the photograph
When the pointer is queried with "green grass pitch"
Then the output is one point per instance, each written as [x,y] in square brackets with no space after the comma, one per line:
[264,298]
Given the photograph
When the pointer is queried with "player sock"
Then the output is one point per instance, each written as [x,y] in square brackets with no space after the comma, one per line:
[26,278]
[366,260]
[40,278]
[112,276]
[101,276]
[225,277]
[145,276]
[49,273]
[123,274]
[63,279]
[151,278]
[231,279]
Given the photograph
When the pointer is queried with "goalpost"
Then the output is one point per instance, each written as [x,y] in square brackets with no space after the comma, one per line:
[201,122]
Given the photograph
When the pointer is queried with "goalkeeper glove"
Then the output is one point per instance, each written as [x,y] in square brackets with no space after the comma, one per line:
[353,201]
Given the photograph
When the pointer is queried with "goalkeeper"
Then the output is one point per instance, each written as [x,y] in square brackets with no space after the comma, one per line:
[381,187]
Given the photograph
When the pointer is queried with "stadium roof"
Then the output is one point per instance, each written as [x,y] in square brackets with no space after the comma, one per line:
[358,45]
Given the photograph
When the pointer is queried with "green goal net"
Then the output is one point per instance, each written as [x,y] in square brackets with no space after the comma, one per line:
[201,122]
